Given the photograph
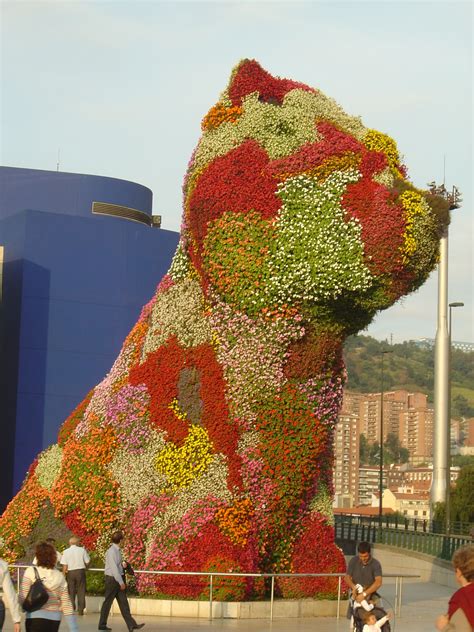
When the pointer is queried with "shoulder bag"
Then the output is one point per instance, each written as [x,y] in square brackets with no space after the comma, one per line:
[37,595]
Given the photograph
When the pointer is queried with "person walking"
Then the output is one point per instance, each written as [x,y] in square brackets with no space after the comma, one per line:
[75,560]
[460,615]
[52,542]
[11,598]
[48,618]
[115,587]
[363,576]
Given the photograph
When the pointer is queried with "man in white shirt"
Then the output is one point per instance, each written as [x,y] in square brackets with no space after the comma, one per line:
[115,587]
[75,560]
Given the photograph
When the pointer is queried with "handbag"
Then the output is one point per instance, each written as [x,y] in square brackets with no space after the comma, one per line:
[37,595]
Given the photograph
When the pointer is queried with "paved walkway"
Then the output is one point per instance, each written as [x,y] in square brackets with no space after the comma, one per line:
[422,602]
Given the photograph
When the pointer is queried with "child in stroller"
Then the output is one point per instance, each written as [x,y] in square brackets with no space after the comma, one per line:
[374,620]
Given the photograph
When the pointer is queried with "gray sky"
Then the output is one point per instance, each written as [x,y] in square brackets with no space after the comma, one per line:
[121,87]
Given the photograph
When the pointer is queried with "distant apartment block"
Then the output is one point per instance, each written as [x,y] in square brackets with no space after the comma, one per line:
[419,478]
[469,438]
[346,460]
[369,481]
[406,415]
[416,431]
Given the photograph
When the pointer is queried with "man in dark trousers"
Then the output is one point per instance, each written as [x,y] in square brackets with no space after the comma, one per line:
[115,587]
[364,574]
[74,561]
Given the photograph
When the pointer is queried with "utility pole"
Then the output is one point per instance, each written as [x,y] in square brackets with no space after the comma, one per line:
[441,380]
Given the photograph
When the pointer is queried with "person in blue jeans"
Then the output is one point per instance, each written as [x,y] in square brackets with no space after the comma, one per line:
[115,586]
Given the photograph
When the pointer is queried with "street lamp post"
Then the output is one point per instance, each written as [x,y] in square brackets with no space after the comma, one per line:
[381,443]
[441,381]
[448,452]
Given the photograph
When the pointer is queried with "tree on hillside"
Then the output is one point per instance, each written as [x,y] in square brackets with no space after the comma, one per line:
[395,452]
[363,449]
[462,497]
[369,453]
[460,407]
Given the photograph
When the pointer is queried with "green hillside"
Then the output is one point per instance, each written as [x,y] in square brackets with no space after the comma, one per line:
[407,366]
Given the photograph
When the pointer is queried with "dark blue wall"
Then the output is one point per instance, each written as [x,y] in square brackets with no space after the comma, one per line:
[74,285]
[66,193]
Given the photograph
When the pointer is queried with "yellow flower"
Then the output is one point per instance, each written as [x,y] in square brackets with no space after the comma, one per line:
[414,205]
[376,141]
[181,465]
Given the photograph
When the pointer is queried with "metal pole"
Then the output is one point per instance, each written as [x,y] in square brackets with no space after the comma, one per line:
[210,598]
[448,452]
[396,594]
[339,582]
[381,447]
[438,486]
[448,434]
[271,598]
[381,451]
[400,597]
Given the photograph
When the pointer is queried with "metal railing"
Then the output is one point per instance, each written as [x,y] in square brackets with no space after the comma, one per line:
[211,575]
[435,544]
[395,521]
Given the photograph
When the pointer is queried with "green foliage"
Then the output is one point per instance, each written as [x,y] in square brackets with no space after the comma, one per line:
[47,526]
[407,366]
[462,460]
[95,582]
[369,454]
[394,450]
[461,503]
[462,497]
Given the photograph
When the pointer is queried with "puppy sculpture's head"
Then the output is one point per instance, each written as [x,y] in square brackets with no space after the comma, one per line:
[292,204]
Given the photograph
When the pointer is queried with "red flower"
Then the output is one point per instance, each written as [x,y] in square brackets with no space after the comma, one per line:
[75,525]
[382,222]
[160,373]
[235,182]
[251,77]
[314,552]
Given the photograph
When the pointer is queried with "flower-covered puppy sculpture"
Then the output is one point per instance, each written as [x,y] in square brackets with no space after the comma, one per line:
[210,440]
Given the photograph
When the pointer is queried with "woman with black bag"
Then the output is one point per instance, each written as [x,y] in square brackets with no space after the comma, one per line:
[48,617]
[10,597]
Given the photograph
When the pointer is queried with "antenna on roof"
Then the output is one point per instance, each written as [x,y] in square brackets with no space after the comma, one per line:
[444,169]
[59,155]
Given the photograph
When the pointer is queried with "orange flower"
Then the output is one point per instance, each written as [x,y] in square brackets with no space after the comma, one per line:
[235,521]
[219,114]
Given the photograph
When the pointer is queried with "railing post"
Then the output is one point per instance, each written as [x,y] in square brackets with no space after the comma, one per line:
[271,598]
[339,583]
[400,597]
[210,597]
[397,579]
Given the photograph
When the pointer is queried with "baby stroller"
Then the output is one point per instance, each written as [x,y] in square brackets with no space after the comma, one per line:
[358,620]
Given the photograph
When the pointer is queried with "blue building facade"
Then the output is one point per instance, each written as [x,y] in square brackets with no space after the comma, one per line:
[80,259]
